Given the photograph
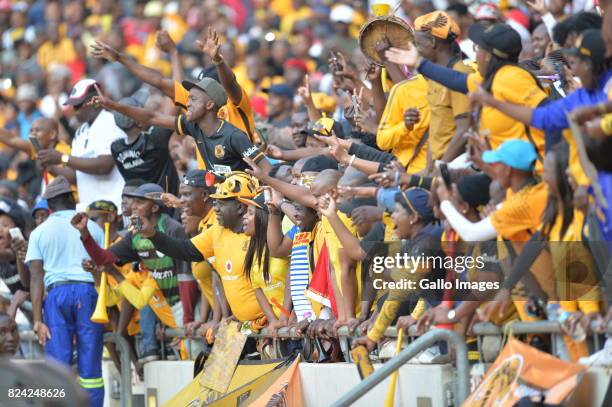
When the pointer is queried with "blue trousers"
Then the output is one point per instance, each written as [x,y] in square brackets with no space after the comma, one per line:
[67,313]
[148,320]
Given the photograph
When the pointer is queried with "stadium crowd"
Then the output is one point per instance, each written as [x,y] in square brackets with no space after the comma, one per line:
[245,160]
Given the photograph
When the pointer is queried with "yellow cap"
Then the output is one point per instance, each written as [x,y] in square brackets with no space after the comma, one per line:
[236,184]
[324,102]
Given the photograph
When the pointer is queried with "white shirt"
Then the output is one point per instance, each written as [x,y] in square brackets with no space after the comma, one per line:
[92,141]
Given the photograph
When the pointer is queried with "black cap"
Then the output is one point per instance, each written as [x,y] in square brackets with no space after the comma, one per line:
[589,45]
[13,210]
[195,178]
[147,191]
[500,40]
[474,189]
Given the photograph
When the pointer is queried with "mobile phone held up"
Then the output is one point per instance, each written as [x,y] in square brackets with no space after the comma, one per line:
[16,234]
[445,174]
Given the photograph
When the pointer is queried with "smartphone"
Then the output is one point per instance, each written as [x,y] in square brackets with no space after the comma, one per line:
[16,234]
[267,195]
[35,144]
[361,358]
[445,174]
[135,224]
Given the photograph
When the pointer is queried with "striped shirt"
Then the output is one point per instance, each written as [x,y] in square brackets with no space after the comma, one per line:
[299,272]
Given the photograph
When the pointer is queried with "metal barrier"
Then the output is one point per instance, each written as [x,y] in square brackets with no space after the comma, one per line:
[423,342]
[124,354]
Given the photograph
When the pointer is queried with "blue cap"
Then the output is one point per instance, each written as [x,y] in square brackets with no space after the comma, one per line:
[386,198]
[515,153]
[281,89]
[41,204]
[417,200]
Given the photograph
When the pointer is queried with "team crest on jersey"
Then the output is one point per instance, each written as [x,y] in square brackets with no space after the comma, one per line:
[228,266]
[219,151]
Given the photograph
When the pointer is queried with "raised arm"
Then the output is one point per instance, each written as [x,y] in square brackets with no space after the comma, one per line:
[298,194]
[349,241]
[210,47]
[145,74]
[279,245]
[165,43]
[15,142]
[140,115]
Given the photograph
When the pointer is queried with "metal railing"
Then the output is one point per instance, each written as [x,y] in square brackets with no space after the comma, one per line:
[452,338]
[124,355]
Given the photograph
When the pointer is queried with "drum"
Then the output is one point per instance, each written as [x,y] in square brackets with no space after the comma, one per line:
[390,28]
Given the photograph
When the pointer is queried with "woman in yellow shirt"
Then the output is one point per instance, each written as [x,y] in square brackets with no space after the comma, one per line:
[267,274]
[498,49]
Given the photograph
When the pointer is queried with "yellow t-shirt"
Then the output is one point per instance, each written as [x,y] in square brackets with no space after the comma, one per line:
[275,288]
[240,115]
[226,251]
[445,106]
[62,53]
[520,214]
[392,132]
[324,232]
[202,271]
[515,85]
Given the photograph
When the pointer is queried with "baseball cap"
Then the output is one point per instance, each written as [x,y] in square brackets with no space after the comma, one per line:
[589,45]
[258,201]
[236,184]
[148,191]
[280,89]
[196,178]
[59,186]
[13,210]
[137,99]
[500,40]
[102,205]
[296,63]
[474,189]
[27,91]
[324,102]
[487,11]
[325,126]
[417,199]
[515,153]
[80,91]
[42,204]
[438,24]
[211,87]
[342,14]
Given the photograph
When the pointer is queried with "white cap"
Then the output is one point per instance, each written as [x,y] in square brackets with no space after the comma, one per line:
[342,14]
[80,90]
[27,91]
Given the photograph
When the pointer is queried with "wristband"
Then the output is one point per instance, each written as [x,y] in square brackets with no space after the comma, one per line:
[350,163]
[218,61]
[65,158]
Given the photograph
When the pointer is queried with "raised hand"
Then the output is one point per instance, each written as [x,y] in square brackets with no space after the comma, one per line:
[164,42]
[274,152]
[409,57]
[304,91]
[335,148]
[102,50]
[255,169]
[327,206]
[211,45]
[539,6]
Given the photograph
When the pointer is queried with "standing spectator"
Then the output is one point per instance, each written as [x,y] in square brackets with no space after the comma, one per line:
[144,154]
[54,256]
[56,50]
[165,270]
[93,166]
[27,96]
